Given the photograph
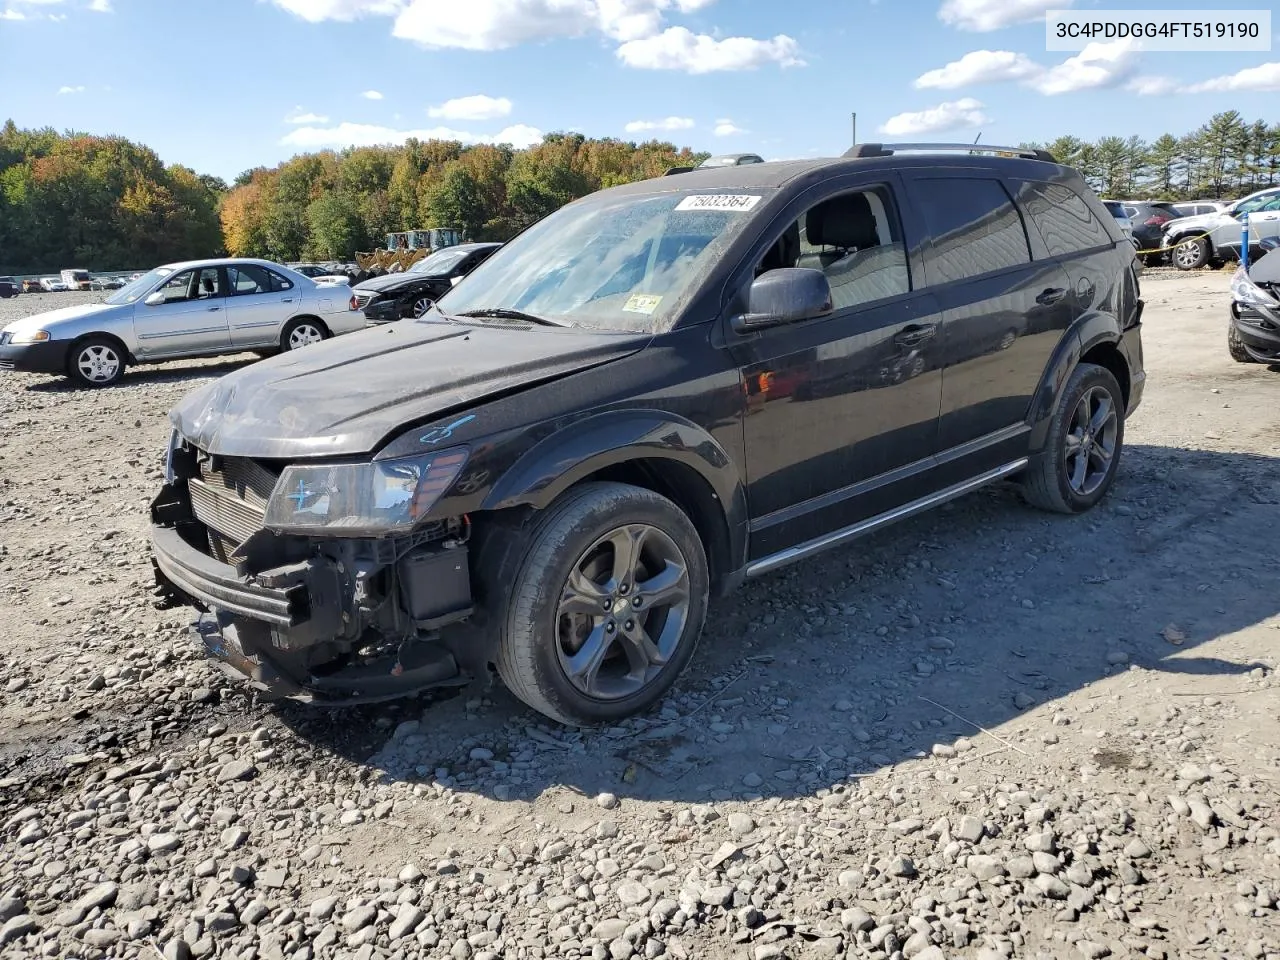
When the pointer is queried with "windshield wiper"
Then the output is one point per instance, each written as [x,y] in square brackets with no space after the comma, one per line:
[502,313]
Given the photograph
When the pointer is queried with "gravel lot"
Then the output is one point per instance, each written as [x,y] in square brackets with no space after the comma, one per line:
[983,733]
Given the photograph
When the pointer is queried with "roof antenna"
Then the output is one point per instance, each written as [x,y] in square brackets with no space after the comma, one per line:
[977,138]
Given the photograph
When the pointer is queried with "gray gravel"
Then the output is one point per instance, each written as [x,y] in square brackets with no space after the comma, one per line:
[986,733]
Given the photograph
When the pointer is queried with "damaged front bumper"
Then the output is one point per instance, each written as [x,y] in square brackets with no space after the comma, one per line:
[308,625]
[1258,330]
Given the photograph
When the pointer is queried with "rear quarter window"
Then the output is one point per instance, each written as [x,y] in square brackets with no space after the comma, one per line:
[974,228]
[1063,218]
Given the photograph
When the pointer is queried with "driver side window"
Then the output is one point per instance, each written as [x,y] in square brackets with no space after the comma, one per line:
[192,285]
[855,239]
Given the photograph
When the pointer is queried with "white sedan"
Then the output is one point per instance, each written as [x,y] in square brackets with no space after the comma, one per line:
[201,308]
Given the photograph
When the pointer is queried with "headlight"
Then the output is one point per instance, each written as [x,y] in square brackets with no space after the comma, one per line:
[32,336]
[1247,292]
[175,441]
[362,499]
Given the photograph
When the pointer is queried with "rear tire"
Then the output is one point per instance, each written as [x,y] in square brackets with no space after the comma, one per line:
[1088,424]
[1235,346]
[606,605]
[302,332]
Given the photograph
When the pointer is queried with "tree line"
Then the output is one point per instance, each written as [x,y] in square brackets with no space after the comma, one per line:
[328,205]
[104,202]
[1225,159]
[100,203]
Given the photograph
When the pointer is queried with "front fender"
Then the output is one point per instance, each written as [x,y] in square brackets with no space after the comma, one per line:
[1087,332]
[584,448]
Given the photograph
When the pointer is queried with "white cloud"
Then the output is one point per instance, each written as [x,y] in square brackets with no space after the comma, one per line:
[677,48]
[100,6]
[304,116]
[1096,66]
[980,66]
[315,11]
[727,128]
[371,95]
[670,123]
[12,15]
[983,16]
[369,135]
[477,107]
[951,115]
[1152,86]
[79,89]
[1265,76]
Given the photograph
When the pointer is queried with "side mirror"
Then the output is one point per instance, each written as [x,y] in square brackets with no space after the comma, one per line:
[785,295]
[154,299]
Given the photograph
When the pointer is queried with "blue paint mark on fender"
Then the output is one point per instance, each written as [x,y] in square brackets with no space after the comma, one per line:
[444,433]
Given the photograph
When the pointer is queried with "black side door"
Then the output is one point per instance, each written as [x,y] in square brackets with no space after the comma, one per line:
[841,411]
[1003,315]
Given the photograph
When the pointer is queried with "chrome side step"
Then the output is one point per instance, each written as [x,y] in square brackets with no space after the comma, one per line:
[818,544]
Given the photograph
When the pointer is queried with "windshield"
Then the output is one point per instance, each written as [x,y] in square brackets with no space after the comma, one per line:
[1250,204]
[442,261]
[610,262]
[134,291]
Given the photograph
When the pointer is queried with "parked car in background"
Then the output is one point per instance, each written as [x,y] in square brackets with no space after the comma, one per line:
[395,296]
[9,287]
[52,285]
[32,285]
[1213,238]
[554,470]
[1253,329]
[106,283]
[319,273]
[1197,208]
[1148,218]
[77,279]
[200,308]
[1116,209]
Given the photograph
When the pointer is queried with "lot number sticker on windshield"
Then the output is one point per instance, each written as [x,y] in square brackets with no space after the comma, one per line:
[644,303]
[738,203]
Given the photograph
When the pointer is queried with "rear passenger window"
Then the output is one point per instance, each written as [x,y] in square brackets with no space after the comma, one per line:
[1063,218]
[974,228]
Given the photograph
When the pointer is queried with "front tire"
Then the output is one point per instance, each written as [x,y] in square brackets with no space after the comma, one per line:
[1082,450]
[606,605]
[96,362]
[1235,346]
[302,332]
[1191,254]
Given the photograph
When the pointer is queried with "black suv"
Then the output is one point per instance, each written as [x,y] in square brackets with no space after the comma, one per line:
[655,392]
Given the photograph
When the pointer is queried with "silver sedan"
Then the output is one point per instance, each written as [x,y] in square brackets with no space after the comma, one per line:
[201,308]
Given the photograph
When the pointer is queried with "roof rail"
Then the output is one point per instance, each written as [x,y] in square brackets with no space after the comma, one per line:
[675,170]
[859,150]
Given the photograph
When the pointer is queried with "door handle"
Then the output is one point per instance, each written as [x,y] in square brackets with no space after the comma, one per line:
[1051,296]
[916,333]
[211,309]
[286,299]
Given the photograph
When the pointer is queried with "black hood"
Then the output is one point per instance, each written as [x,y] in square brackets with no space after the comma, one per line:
[350,394]
[391,281]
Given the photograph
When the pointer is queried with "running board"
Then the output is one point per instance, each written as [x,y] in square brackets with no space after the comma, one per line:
[784,557]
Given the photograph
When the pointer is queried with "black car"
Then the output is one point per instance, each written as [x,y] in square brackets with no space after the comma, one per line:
[1148,218]
[1253,330]
[654,393]
[9,287]
[396,296]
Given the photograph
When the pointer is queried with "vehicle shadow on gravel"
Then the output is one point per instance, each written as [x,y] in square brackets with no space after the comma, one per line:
[149,376]
[982,614]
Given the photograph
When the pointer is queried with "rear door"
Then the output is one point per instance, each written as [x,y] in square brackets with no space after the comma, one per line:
[1003,315]
[191,319]
[259,303]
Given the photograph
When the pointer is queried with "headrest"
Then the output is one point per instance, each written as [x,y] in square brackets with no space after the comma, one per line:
[845,221]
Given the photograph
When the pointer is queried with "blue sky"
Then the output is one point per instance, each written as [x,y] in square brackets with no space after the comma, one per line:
[224,85]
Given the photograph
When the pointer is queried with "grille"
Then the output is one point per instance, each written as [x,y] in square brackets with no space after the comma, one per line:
[362,298]
[231,500]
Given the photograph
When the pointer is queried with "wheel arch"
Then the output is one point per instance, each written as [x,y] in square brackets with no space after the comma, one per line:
[1094,338]
[299,318]
[646,448]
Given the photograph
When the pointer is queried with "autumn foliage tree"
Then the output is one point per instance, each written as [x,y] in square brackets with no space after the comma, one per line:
[74,200]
